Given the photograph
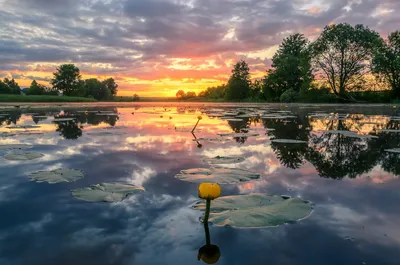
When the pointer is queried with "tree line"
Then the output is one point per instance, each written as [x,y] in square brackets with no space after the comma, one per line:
[335,66]
[68,80]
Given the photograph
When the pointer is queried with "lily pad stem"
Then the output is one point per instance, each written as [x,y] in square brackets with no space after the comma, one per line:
[205,221]
[207,213]
[194,128]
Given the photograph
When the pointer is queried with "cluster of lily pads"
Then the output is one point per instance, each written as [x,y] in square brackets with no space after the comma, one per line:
[103,192]
[245,211]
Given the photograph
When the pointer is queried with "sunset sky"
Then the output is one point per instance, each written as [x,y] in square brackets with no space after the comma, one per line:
[156,47]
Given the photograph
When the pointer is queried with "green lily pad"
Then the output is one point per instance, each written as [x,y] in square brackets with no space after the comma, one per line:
[17,127]
[288,141]
[232,119]
[215,115]
[219,160]
[394,150]
[185,130]
[255,210]
[213,140]
[6,134]
[107,114]
[218,175]
[105,133]
[238,134]
[14,146]
[390,131]
[23,156]
[57,176]
[106,192]
[63,119]
[351,134]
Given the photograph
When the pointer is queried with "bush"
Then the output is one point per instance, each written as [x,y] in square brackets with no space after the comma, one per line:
[373,96]
[318,95]
[289,96]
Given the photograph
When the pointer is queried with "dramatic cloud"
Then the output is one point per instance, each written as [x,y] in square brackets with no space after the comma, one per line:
[152,47]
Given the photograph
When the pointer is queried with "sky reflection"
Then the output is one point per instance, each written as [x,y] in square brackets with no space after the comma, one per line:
[352,182]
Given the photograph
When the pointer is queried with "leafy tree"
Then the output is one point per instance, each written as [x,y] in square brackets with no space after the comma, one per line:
[36,89]
[256,88]
[13,86]
[341,53]
[189,94]
[111,86]
[386,62]
[180,94]
[291,67]
[136,97]
[4,89]
[96,89]
[67,79]
[202,94]
[239,82]
[215,92]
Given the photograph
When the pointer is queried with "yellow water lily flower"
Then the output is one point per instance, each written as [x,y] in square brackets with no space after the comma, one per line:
[394,107]
[209,191]
[210,254]
[199,117]
[86,112]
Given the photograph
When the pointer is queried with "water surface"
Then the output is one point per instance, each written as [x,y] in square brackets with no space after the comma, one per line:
[352,182]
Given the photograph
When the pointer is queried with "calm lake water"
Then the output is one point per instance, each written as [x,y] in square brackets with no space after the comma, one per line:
[350,178]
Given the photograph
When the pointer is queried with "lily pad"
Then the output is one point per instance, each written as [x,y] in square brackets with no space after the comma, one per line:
[57,176]
[288,141]
[232,119]
[185,130]
[107,114]
[16,127]
[394,150]
[238,134]
[218,175]
[23,156]
[6,134]
[351,134]
[224,160]
[390,131]
[105,133]
[215,114]
[14,146]
[212,140]
[63,119]
[106,192]
[256,210]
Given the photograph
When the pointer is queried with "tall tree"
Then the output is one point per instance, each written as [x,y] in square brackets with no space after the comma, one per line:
[13,86]
[36,89]
[111,86]
[67,79]
[96,89]
[386,62]
[239,82]
[341,53]
[4,89]
[291,66]
[180,94]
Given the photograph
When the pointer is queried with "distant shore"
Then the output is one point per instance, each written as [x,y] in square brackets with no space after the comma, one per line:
[6,99]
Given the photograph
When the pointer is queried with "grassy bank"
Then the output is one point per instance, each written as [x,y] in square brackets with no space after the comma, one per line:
[20,98]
